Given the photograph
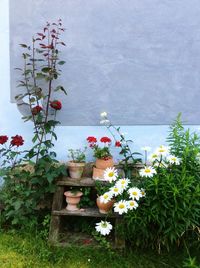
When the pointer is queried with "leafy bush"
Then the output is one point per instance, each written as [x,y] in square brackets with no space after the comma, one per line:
[28,189]
[170,212]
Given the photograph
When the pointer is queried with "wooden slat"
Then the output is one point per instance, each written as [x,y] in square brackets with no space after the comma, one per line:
[58,198]
[54,229]
[88,212]
[67,181]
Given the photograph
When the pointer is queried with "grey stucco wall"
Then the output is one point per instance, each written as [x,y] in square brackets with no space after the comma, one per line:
[139,60]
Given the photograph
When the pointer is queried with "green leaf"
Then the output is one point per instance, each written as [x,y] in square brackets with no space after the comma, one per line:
[61,62]
[46,69]
[23,45]
[60,88]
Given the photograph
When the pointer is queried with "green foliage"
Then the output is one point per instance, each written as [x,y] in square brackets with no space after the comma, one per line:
[170,211]
[26,191]
[102,187]
[101,152]
[78,155]
[190,263]
[86,200]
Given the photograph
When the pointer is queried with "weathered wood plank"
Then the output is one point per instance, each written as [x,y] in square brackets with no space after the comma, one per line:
[87,212]
[58,198]
[54,229]
[85,181]
[119,240]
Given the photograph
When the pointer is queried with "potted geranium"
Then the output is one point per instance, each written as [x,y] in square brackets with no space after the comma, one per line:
[102,154]
[77,163]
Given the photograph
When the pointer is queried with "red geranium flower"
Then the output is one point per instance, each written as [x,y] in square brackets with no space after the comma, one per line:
[3,139]
[91,139]
[57,105]
[118,144]
[17,141]
[105,140]
[36,109]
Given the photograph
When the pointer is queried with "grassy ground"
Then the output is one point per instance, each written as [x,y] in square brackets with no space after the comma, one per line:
[27,251]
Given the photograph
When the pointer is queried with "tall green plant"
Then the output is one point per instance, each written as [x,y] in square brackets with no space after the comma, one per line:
[170,213]
[41,68]
[27,186]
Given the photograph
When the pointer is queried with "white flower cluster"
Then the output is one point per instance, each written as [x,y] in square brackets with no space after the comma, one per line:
[161,157]
[121,186]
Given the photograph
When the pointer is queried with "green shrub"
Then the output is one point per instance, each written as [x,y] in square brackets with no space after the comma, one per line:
[170,212]
[27,190]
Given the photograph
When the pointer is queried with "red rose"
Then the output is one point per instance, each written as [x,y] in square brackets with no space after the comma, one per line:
[118,144]
[36,109]
[17,141]
[91,139]
[105,140]
[3,139]
[57,105]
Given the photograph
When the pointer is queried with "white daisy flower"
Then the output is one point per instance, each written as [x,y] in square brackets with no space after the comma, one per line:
[162,150]
[122,183]
[103,114]
[160,164]
[106,197]
[147,172]
[135,193]
[154,156]
[116,190]
[121,207]
[143,192]
[131,204]
[173,160]
[110,174]
[103,227]
[146,148]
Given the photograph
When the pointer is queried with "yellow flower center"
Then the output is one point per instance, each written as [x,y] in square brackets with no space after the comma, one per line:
[134,193]
[147,170]
[154,155]
[162,150]
[142,192]
[173,159]
[116,190]
[123,182]
[111,174]
[131,203]
[121,206]
[105,196]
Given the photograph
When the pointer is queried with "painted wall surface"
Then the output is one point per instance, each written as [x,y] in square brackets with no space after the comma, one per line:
[68,137]
[138,60]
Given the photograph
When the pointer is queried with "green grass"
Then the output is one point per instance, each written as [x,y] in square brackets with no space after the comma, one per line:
[20,250]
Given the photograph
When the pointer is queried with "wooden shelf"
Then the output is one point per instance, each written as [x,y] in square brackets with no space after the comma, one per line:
[87,212]
[85,181]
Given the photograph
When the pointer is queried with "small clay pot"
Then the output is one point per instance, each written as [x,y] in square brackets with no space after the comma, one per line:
[104,163]
[98,174]
[104,208]
[73,200]
[75,169]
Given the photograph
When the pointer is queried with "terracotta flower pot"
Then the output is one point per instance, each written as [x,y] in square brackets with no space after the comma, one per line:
[98,174]
[104,163]
[104,208]
[73,200]
[75,169]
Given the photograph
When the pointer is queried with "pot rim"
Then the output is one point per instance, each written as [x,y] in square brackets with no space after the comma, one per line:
[70,194]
